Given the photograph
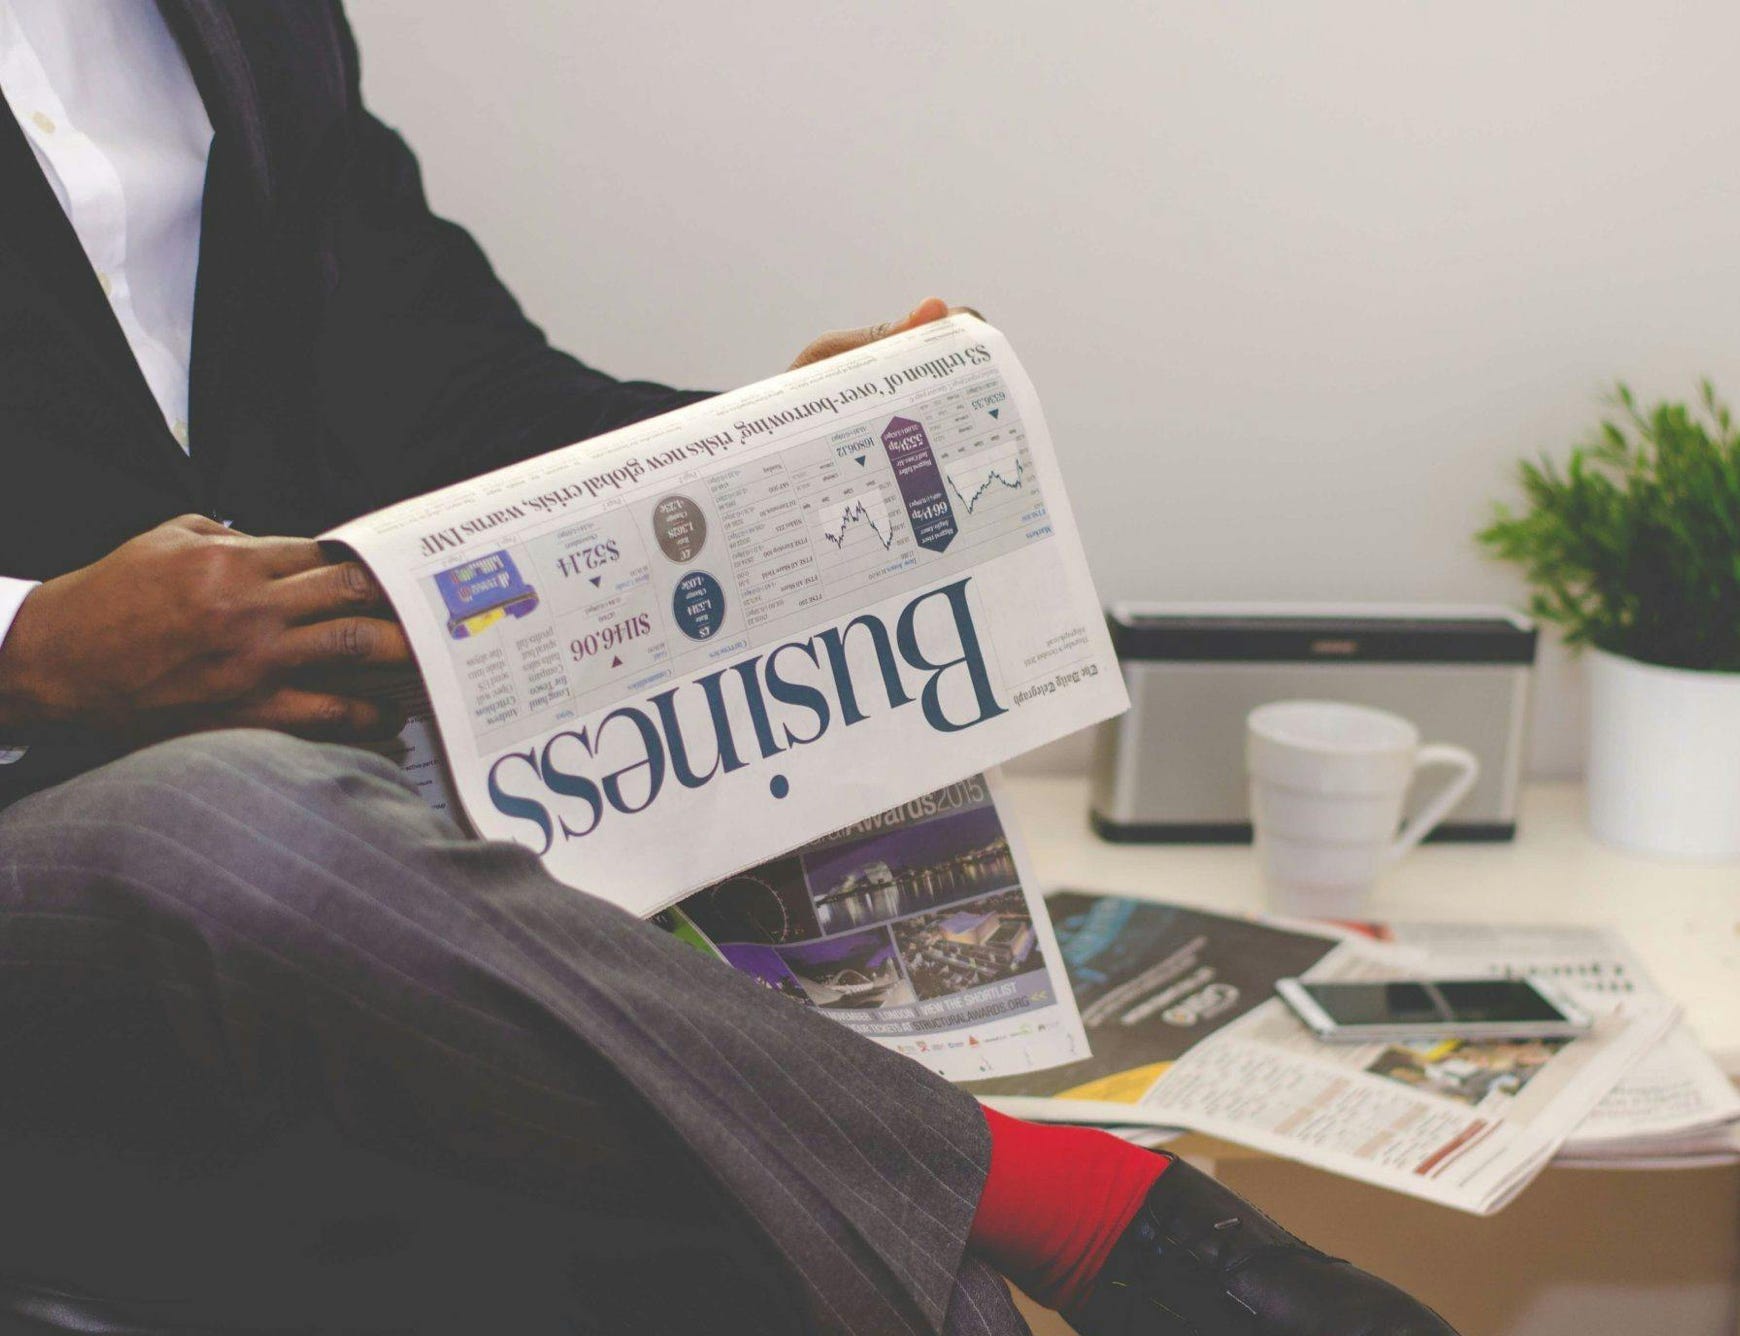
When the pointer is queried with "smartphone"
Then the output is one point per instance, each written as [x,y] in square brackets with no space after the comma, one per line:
[1352,1013]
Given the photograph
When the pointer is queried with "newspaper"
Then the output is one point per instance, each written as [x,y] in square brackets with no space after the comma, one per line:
[917,927]
[1151,981]
[680,649]
[1674,1101]
[1466,1125]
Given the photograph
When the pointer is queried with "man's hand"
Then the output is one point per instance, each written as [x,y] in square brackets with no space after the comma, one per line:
[846,340]
[192,627]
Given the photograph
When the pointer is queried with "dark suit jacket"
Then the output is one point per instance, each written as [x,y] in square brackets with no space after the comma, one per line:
[349,347]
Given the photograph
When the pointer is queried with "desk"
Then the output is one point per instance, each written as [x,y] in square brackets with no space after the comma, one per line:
[1582,1252]
[1683,920]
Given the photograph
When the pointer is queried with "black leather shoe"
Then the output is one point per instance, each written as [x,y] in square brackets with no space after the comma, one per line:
[1199,1260]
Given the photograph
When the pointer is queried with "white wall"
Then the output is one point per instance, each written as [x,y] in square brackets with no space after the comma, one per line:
[1297,282]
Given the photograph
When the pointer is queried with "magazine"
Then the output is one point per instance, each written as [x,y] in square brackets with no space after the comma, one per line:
[1151,982]
[917,927]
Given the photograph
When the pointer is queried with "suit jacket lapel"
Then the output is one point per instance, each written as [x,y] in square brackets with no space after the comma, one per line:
[234,226]
[44,268]
[225,80]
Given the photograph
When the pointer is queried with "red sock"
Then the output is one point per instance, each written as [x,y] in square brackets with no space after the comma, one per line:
[1055,1201]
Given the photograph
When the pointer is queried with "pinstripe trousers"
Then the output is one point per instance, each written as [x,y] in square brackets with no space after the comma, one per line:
[282,1050]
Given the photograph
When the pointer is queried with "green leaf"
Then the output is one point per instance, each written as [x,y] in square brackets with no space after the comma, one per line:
[1632,541]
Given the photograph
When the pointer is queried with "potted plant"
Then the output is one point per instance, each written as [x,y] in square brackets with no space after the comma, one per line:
[1632,548]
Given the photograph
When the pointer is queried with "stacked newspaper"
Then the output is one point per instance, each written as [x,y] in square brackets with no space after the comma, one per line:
[1674,1107]
[1179,1009]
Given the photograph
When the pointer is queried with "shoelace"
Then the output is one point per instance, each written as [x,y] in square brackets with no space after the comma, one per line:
[1212,1247]
[1221,1234]
[1146,1289]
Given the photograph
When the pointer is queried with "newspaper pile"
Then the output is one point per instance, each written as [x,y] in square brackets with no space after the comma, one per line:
[743,668]
[1674,1107]
[680,649]
[1186,1032]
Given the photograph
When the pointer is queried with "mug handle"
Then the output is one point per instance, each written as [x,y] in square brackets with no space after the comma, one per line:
[1437,754]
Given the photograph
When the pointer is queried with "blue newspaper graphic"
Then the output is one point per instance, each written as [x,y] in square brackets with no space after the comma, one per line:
[482,592]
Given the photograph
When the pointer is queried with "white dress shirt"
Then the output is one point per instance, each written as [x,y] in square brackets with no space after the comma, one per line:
[107,103]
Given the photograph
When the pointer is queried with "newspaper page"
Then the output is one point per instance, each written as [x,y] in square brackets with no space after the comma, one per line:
[1151,981]
[1467,1125]
[690,645]
[917,927]
[1674,1100]
[416,751]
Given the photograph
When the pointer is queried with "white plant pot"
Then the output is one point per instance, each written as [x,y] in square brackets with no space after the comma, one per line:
[1664,758]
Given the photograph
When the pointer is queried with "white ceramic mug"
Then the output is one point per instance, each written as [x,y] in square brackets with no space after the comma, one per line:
[1328,782]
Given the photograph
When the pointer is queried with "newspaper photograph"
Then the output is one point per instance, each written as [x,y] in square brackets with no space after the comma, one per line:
[1464,1124]
[687,646]
[917,927]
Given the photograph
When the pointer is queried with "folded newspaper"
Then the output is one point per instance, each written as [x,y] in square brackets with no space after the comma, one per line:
[680,649]
[1185,1031]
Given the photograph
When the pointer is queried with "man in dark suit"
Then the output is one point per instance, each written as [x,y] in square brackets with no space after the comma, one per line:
[283,1050]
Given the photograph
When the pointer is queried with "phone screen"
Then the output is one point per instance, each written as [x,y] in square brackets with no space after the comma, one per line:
[1479,1001]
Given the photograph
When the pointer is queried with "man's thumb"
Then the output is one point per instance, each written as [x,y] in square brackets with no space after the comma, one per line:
[838,341]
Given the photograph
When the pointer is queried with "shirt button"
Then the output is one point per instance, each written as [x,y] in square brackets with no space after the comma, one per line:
[178,429]
[43,121]
[107,283]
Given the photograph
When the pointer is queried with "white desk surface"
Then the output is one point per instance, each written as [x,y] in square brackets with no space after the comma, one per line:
[1683,920]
